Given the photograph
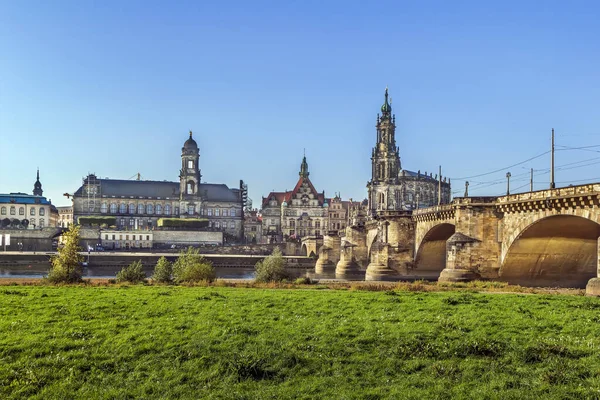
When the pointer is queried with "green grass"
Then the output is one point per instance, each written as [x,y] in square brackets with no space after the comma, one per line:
[235,343]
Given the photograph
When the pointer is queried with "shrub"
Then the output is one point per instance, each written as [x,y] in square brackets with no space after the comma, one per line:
[303,281]
[192,267]
[108,221]
[66,264]
[272,268]
[188,223]
[163,271]
[133,273]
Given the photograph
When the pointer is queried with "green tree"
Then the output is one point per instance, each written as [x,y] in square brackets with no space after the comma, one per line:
[190,267]
[133,273]
[163,271]
[272,268]
[66,264]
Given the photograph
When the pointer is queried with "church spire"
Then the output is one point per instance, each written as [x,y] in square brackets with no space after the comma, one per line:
[386,108]
[304,167]
[37,186]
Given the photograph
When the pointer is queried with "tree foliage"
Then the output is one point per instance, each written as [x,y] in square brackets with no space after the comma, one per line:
[191,267]
[66,264]
[272,268]
[133,273]
[108,221]
[163,271]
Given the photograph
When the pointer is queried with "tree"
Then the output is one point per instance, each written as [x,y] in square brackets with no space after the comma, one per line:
[66,264]
[272,268]
[192,267]
[163,271]
[133,273]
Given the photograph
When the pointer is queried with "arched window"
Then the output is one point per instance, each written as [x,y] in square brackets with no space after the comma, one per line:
[122,208]
[3,210]
[113,208]
[149,208]
[103,208]
[140,208]
[190,187]
[42,211]
[158,209]
[21,210]
[31,211]
[167,209]
[32,222]
[41,222]
[132,208]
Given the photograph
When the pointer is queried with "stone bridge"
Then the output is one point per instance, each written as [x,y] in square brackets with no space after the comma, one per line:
[542,238]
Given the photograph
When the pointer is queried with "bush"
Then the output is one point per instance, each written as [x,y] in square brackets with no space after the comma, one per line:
[66,264]
[108,221]
[163,271]
[272,268]
[192,267]
[133,273]
[188,223]
[304,281]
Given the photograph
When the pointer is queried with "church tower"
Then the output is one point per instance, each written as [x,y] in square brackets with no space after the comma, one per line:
[189,176]
[37,186]
[385,162]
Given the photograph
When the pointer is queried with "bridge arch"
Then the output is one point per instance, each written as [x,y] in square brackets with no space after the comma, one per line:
[430,257]
[551,250]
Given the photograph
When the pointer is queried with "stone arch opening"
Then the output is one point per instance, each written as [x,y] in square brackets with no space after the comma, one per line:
[304,250]
[431,254]
[559,250]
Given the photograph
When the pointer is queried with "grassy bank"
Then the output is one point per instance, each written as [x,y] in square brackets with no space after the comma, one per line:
[215,342]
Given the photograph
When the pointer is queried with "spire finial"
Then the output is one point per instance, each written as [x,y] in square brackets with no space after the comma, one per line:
[38,173]
[190,133]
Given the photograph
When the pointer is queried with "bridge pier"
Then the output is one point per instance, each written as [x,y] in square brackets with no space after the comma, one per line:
[460,251]
[347,267]
[329,255]
[593,286]
[392,253]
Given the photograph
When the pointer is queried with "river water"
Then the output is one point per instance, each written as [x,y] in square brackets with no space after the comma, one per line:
[40,270]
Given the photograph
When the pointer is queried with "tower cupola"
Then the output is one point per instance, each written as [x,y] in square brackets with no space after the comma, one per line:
[37,186]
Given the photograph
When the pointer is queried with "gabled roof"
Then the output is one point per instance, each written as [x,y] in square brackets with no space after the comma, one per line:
[288,195]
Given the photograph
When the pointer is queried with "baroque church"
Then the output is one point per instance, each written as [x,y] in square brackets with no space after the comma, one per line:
[138,204]
[392,188]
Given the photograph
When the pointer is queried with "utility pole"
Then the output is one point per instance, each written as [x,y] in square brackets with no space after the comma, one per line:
[507,183]
[531,181]
[440,187]
[552,185]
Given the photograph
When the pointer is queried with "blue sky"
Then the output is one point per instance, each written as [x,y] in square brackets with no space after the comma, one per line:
[113,88]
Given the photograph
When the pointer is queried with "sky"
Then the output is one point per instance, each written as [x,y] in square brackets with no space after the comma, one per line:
[113,87]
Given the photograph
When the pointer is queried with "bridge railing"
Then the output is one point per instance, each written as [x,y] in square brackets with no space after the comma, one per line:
[587,189]
[433,209]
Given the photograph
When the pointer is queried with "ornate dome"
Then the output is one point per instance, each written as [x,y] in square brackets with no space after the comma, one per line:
[190,143]
[386,108]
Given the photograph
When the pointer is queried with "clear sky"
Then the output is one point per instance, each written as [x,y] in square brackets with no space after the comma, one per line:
[113,87]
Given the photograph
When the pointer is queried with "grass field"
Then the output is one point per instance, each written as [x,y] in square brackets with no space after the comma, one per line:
[236,343]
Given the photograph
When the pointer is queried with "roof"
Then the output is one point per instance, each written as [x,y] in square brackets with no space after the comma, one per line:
[288,195]
[122,187]
[22,198]
[414,174]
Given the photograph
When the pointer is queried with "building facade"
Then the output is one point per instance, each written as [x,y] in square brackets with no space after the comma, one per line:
[27,211]
[339,213]
[253,226]
[391,188]
[65,216]
[297,213]
[138,204]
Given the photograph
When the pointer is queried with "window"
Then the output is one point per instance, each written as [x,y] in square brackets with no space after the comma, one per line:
[103,208]
[113,237]
[31,211]
[147,237]
[21,210]
[32,221]
[42,211]
[232,212]
[126,237]
[292,232]
[217,225]
[292,223]
[225,212]
[167,209]
[231,225]
[253,229]
[122,208]
[318,232]
[190,209]
[176,211]
[150,209]
[209,212]
[190,164]
[140,208]
[190,187]
[217,212]
[131,222]
[272,222]
[113,208]
[91,206]
[3,210]
[105,237]
[318,224]
[42,222]
[158,209]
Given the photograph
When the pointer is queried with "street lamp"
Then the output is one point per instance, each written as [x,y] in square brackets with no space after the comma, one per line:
[507,183]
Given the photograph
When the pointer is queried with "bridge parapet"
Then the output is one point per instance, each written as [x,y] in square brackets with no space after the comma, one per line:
[572,197]
[435,213]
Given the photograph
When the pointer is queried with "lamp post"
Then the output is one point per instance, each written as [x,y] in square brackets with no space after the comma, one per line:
[507,183]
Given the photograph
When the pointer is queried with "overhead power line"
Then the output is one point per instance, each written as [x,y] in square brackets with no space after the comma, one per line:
[503,168]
